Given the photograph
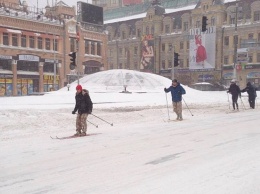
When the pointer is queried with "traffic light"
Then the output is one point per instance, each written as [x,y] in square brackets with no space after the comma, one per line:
[204,23]
[176,59]
[72,60]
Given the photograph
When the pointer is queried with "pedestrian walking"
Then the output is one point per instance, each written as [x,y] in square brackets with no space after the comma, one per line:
[251,91]
[234,90]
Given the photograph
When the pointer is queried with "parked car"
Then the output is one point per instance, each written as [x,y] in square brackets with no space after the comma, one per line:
[205,86]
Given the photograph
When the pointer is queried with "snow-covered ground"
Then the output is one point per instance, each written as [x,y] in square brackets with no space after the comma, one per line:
[214,151]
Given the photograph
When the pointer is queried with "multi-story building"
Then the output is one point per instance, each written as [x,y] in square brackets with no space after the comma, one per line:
[147,41]
[35,43]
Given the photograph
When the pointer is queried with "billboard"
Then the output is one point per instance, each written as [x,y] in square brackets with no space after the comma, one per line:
[131,2]
[90,13]
[202,48]
[147,54]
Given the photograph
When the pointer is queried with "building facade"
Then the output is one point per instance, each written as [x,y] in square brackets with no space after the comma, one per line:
[147,42]
[34,48]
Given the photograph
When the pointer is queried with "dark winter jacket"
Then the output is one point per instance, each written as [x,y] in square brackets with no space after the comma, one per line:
[176,92]
[83,103]
[250,90]
[234,90]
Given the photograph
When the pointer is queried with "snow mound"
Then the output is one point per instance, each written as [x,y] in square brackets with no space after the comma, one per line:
[116,80]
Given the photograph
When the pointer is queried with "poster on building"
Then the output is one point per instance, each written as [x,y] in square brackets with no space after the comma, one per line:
[147,54]
[202,48]
[131,2]
[6,87]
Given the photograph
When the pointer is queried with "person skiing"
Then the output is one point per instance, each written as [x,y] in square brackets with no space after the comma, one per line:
[234,90]
[251,94]
[177,91]
[84,107]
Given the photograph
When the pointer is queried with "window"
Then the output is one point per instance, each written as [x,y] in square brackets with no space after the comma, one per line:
[55,44]
[251,36]
[110,52]
[181,45]
[152,30]
[170,47]
[23,41]
[258,57]
[197,24]
[185,26]
[226,60]
[92,48]
[14,40]
[49,67]
[5,39]
[169,64]
[147,30]
[31,41]
[250,59]
[226,41]
[39,39]
[163,64]
[188,62]
[47,44]
[258,37]
[188,45]
[120,66]
[167,29]
[256,15]
[135,50]
[232,20]
[86,47]
[99,49]
[163,47]
[27,66]
[213,21]
[138,33]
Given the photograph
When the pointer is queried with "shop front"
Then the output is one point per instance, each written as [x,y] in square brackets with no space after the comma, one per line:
[6,85]
[48,81]
[27,84]
[254,78]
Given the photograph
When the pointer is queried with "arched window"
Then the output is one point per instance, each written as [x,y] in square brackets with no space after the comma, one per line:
[213,21]
[147,30]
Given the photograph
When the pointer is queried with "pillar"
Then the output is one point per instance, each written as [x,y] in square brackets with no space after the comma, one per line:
[41,84]
[95,48]
[14,70]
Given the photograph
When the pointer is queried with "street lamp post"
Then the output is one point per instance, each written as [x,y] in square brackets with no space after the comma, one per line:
[235,45]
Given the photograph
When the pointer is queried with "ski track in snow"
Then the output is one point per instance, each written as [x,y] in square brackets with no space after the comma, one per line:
[211,152]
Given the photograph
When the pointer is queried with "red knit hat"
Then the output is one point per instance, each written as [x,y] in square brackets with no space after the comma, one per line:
[79,87]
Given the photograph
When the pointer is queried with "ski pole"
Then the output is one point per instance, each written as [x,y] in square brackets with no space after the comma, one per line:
[93,124]
[187,106]
[167,106]
[243,103]
[102,119]
[228,101]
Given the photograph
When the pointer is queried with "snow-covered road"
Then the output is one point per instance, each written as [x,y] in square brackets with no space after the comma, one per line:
[211,152]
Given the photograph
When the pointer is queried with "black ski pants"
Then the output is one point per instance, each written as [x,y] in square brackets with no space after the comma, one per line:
[251,100]
[234,101]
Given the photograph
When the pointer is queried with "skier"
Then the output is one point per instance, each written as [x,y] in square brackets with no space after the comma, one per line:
[84,107]
[235,92]
[177,91]
[251,94]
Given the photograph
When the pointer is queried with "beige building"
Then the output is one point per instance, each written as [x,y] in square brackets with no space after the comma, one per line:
[34,48]
[169,30]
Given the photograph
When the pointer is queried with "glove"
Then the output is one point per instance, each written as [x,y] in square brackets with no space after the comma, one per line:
[165,89]
[73,112]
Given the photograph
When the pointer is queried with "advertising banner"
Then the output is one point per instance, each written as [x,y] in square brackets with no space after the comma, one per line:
[202,48]
[147,55]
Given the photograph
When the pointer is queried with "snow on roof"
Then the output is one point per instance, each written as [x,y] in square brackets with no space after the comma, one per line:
[180,9]
[132,17]
[14,31]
